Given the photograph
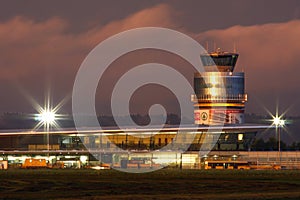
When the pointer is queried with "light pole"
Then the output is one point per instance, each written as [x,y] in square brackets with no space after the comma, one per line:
[279,123]
[47,118]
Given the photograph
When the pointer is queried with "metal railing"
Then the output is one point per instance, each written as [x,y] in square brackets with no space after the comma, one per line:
[225,98]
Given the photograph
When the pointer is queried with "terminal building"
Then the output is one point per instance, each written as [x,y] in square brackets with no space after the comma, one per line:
[219,105]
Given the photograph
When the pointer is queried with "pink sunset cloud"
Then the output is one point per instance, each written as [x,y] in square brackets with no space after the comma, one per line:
[31,50]
[269,54]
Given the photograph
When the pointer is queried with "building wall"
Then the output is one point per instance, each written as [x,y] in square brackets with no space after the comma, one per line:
[220,98]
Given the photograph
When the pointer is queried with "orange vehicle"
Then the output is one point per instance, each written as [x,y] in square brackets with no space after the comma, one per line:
[221,164]
[265,167]
[34,163]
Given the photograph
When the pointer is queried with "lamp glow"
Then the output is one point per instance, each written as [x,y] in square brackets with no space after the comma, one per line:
[277,121]
[47,117]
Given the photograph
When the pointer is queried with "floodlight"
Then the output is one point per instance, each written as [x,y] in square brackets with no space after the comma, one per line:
[47,117]
[277,121]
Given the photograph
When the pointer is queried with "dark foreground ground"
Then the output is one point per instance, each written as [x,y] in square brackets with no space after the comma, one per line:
[162,184]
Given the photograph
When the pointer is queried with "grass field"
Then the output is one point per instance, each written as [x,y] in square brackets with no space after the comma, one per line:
[162,184]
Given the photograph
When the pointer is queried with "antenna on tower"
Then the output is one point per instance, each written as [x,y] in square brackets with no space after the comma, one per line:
[207,47]
[234,47]
[215,46]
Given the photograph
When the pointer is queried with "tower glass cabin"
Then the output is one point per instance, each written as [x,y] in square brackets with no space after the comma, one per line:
[219,92]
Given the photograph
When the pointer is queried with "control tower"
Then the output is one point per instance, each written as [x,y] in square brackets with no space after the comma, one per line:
[219,92]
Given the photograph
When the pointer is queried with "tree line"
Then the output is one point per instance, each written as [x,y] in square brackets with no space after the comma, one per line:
[272,145]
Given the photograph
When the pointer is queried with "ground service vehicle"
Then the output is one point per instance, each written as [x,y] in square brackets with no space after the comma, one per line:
[221,164]
[34,163]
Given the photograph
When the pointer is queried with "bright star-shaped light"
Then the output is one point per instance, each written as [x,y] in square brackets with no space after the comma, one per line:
[47,114]
[277,121]
[47,117]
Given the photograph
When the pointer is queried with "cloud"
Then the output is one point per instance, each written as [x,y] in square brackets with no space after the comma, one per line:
[30,46]
[269,54]
[161,15]
[271,47]
[34,51]
[27,45]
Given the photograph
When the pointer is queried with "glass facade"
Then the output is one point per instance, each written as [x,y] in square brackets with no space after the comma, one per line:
[66,143]
[219,93]
[222,85]
[219,60]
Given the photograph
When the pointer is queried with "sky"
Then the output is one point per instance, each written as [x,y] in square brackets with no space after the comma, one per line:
[43,44]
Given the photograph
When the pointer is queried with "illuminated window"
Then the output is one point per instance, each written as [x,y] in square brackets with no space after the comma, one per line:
[240,136]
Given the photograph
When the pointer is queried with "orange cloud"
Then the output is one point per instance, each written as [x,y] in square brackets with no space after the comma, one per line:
[269,54]
[28,46]
[271,48]
[34,52]
[161,15]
